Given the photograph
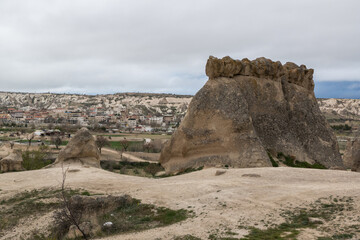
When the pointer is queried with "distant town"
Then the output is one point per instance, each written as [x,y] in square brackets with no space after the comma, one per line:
[130,112]
[122,112]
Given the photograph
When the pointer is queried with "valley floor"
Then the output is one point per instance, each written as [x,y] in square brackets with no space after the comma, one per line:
[229,203]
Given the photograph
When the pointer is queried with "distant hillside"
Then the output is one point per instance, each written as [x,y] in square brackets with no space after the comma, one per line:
[148,102]
[335,108]
[144,103]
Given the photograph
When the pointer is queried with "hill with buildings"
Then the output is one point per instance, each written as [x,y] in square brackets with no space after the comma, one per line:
[125,110]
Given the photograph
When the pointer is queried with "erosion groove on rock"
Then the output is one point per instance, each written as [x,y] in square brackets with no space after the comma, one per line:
[246,109]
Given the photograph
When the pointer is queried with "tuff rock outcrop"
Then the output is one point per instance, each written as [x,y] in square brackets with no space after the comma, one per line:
[81,148]
[352,155]
[12,162]
[247,109]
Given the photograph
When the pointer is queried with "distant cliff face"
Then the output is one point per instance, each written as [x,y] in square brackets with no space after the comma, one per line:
[247,108]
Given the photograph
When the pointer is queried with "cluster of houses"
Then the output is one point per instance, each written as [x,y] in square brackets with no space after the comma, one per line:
[122,120]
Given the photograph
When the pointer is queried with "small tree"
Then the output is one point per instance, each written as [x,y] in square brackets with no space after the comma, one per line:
[56,141]
[156,145]
[148,146]
[124,144]
[70,213]
[30,137]
[101,142]
[35,159]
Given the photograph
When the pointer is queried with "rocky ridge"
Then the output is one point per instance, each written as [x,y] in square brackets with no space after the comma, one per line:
[247,110]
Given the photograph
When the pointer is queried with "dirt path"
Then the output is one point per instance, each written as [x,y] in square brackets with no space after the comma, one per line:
[226,200]
[117,156]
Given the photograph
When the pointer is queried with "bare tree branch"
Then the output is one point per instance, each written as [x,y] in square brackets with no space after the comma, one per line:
[68,209]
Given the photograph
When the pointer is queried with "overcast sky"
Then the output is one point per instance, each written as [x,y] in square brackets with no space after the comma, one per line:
[108,46]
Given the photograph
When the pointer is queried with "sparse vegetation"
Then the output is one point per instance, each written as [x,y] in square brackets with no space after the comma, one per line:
[292,162]
[26,204]
[343,127]
[129,215]
[314,216]
[186,237]
[35,159]
[324,209]
[135,216]
[71,213]
[273,162]
[188,170]
[133,146]
[142,169]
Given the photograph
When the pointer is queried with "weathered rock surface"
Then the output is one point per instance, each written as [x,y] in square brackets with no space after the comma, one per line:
[260,68]
[352,155]
[82,148]
[247,108]
[12,162]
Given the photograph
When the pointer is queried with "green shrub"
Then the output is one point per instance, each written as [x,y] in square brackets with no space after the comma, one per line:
[292,162]
[35,159]
[153,168]
[299,218]
[135,216]
[273,162]
[341,127]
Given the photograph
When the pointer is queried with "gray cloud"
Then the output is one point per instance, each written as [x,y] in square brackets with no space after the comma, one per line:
[90,46]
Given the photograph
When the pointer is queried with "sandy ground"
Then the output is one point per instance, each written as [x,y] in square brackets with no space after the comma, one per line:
[224,201]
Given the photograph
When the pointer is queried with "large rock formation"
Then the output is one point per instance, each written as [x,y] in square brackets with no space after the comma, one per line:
[246,109]
[82,148]
[352,155]
[12,162]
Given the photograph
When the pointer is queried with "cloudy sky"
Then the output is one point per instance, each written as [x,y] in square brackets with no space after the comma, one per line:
[108,46]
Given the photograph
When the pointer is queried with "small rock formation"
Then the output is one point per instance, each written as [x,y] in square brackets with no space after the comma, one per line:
[81,148]
[5,151]
[246,109]
[219,172]
[352,155]
[163,101]
[12,162]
